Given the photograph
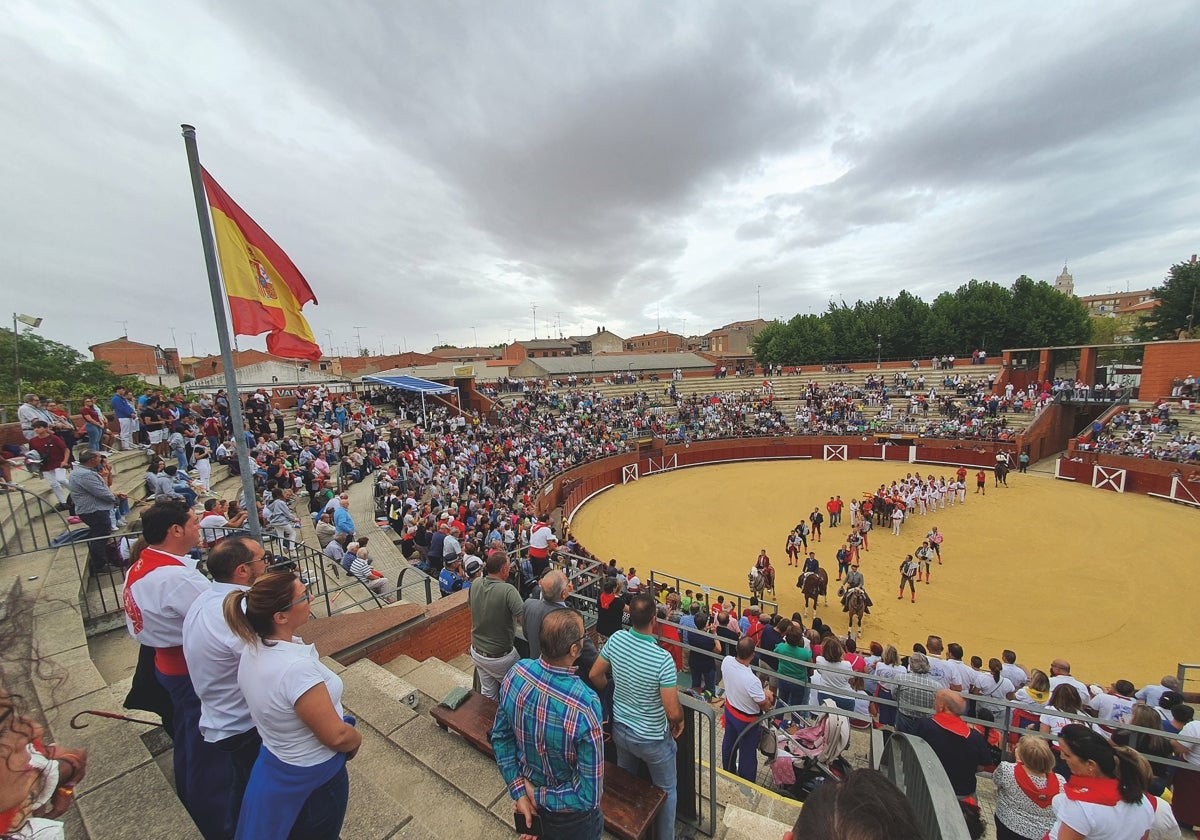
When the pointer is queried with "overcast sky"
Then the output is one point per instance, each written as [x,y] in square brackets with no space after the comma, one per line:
[436,168]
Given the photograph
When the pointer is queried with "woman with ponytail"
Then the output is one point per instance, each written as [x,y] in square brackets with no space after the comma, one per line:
[1106,796]
[299,785]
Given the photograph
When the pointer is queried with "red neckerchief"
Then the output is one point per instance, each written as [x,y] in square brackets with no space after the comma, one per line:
[1098,790]
[606,599]
[1039,796]
[952,723]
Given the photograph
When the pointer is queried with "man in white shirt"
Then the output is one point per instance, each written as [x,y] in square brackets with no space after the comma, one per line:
[1116,704]
[1060,672]
[159,590]
[745,699]
[213,654]
[1010,669]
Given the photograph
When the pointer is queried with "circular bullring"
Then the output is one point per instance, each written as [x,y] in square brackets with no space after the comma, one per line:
[1044,567]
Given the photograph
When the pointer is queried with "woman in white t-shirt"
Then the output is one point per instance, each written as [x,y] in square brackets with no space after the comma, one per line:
[834,673]
[299,783]
[1105,798]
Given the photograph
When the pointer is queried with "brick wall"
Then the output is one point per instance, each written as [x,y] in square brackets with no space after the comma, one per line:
[444,634]
[1164,361]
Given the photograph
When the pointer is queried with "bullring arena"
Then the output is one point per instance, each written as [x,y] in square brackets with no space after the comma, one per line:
[1044,567]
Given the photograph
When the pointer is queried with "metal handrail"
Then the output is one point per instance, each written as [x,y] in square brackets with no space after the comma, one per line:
[1003,723]
[912,766]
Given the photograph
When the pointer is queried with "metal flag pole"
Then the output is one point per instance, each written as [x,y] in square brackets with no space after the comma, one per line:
[218,301]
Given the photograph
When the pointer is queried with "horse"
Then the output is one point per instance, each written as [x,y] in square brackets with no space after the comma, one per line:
[857,603]
[817,585]
[761,580]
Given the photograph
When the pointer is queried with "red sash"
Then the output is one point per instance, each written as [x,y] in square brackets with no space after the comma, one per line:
[1040,796]
[539,553]
[738,714]
[168,660]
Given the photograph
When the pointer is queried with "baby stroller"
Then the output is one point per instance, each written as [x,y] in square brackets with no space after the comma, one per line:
[806,756]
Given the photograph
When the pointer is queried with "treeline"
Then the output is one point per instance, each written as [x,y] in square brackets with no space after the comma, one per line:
[976,316]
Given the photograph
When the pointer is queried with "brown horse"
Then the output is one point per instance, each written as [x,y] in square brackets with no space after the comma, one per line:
[857,603]
[817,586]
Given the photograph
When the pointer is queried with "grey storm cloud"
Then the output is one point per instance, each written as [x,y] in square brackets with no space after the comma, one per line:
[438,166]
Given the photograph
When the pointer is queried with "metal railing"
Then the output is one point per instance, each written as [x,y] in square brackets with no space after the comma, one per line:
[1008,722]
[912,766]
[735,600]
[26,520]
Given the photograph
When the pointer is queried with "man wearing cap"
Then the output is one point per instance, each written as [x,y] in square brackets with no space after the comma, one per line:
[452,577]
[542,543]
[496,607]
[854,580]
[472,568]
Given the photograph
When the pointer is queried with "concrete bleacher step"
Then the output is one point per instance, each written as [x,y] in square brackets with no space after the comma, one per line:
[431,784]
[742,824]
[435,679]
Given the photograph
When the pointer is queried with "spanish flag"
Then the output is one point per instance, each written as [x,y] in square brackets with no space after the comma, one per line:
[265,289]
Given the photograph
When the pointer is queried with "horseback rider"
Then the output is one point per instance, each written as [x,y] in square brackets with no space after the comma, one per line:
[763,566]
[854,580]
[811,567]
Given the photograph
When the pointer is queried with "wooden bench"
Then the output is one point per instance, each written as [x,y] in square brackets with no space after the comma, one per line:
[630,804]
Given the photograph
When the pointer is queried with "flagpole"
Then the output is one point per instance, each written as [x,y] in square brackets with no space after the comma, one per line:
[218,301]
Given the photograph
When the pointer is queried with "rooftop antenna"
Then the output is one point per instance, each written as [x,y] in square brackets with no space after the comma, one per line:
[533,306]
[657,319]
[173,344]
[124,327]
[358,333]
[192,336]
[758,294]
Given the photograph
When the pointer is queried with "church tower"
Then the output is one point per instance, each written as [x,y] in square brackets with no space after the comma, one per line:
[1065,283]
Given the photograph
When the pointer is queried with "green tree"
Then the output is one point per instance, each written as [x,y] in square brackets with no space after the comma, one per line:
[54,369]
[1178,304]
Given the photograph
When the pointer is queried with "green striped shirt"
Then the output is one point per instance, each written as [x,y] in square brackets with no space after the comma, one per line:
[640,669]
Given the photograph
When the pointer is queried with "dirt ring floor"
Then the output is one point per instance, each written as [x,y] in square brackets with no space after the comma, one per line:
[1045,567]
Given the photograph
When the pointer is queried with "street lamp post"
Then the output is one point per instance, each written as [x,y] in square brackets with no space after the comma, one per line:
[30,321]
[878,351]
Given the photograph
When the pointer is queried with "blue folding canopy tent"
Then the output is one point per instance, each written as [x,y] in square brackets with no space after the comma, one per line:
[417,385]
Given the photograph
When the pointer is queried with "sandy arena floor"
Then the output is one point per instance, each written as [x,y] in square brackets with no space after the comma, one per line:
[1048,568]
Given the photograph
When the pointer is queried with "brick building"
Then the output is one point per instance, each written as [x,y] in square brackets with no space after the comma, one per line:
[656,342]
[133,358]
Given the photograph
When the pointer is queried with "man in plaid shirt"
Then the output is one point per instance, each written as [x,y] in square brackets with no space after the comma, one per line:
[547,736]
